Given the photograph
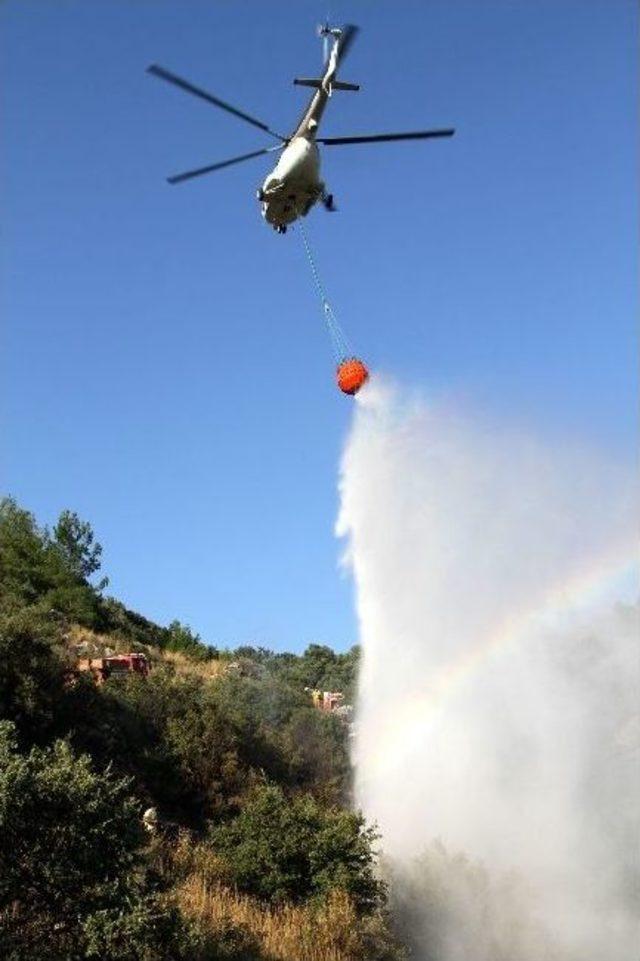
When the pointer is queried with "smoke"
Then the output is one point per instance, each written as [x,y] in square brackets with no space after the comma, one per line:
[497,733]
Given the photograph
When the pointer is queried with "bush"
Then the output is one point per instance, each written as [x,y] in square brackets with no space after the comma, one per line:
[205,746]
[31,670]
[70,877]
[126,723]
[279,733]
[279,849]
[315,744]
[151,931]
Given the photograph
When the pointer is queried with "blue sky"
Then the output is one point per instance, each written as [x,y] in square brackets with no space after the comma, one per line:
[166,371]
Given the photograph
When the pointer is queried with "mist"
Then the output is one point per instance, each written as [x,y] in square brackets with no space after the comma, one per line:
[497,733]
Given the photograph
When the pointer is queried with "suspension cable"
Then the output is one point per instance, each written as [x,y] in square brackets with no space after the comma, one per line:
[339,343]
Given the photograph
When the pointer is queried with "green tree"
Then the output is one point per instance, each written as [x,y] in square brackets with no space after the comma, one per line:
[283,849]
[315,745]
[319,667]
[36,570]
[126,724]
[75,539]
[205,746]
[180,637]
[70,878]
[24,568]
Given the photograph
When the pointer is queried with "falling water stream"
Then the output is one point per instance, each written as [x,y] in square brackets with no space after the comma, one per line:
[497,729]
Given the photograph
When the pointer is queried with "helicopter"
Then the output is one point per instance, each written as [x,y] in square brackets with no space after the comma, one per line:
[294,185]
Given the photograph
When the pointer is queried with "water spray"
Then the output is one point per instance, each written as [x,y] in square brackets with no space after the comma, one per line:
[497,728]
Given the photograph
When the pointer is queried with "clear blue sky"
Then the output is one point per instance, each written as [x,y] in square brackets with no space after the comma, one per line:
[167,374]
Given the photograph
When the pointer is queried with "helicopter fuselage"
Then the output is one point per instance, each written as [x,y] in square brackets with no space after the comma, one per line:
[294,185]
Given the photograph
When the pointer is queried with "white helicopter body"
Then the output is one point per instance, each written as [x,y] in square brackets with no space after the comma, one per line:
[294,185]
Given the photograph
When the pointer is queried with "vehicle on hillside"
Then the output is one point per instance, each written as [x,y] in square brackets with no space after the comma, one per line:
[116,665]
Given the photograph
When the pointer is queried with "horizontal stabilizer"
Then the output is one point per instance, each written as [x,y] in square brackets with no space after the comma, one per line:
[341,85]
[317,84]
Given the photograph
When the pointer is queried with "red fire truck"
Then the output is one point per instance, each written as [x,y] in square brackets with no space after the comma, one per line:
[117,665]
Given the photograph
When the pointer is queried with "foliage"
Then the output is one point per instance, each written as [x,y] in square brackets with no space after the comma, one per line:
[75,540]
[229,739]
[151,930]
[205,745]
[31,670]
[39,570]
[104,724]
[197,747]
[293,850]
[137,631]
[66,834]
[318,667]
[69,847]
[180,637]
[280,734]
[23,559]
[316,748]
[129,626]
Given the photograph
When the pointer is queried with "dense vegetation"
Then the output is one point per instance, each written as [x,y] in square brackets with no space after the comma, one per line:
[255,854]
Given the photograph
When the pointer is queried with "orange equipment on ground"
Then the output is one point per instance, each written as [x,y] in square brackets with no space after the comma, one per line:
[351,375]
[325,700]
[331,700]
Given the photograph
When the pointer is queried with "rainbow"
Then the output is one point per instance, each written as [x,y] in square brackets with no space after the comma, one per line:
[613,575]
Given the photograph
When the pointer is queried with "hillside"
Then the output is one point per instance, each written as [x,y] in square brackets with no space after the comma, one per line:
[249,848]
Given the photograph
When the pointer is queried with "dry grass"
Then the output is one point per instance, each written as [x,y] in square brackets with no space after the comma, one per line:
[331,931]
[187,667]
[76,634]
[184,666]
[288,933]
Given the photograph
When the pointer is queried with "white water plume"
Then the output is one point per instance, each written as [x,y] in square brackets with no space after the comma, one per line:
[496,736]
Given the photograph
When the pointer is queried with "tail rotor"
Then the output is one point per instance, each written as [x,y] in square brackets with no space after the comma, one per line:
[324,32]
[344,35]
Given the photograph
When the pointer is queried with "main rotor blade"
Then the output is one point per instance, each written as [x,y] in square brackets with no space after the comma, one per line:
[199,171]
[384,137]
[177,81]
[349,33]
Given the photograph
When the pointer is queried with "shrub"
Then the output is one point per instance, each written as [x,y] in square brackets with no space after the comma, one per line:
[70,878]
[279,849]
[31,670]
